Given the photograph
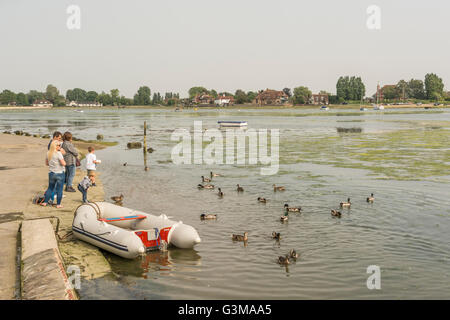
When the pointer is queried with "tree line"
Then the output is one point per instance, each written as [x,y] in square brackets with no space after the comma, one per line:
[111,98]
[347,89]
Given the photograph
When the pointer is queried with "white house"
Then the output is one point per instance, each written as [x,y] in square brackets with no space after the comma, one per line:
[42,103]
[224,101]
[85,104]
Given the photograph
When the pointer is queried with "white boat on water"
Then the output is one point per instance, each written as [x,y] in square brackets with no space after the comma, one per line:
[129,233]
[362,109]
[378,107]
[232,124]
[324,108]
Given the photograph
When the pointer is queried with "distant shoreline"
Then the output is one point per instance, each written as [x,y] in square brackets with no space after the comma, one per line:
[233,107]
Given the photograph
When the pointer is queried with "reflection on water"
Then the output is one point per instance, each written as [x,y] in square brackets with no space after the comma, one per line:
[400,157]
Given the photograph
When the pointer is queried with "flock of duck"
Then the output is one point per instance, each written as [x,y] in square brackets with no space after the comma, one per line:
[292,255]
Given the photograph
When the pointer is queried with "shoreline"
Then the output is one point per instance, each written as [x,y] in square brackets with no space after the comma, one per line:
[23,175]
[238,106]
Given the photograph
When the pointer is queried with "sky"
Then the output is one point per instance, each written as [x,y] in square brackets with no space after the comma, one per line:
[173,45]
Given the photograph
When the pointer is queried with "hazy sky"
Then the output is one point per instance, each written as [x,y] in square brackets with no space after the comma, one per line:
[226,45]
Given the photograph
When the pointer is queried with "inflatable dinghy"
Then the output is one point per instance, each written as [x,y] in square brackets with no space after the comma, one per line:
[129,233]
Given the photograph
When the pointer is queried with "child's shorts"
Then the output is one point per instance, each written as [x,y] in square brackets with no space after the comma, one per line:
[91,172]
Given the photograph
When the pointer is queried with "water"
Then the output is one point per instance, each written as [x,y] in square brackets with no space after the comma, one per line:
[403,158]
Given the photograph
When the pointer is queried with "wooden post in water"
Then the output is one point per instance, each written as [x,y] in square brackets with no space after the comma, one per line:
[145,146]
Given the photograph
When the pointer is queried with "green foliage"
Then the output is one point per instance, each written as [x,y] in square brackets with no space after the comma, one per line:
[434,87]
[197,90]
[52,94]
[115,96]
[251,96]
[142,97]
[350,88]
[416,89]
[301,95]
[240,96]
[7,96]
[22,99]
[76,94]
[91,96]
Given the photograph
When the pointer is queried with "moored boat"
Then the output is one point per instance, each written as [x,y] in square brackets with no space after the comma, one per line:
[324,108]
[233,124]
[129,233]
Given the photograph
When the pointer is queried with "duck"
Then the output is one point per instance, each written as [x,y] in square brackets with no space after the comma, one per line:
[263,200]
[238,237]
[371,198]
[206,179]
[346,204]
[283,260]
[211,174]
[292,209]
[117,198]
[125,164]
[336,213]
[284,218]
[240,189]
[293,254]
[276,235]
[206,216]
[220,193]
[279,188]
[206,186]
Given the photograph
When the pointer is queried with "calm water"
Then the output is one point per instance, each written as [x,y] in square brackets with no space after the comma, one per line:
[405,231]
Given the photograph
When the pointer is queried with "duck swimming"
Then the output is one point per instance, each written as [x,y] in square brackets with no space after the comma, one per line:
[240,189]
[284,218]
[292,209]
[206,179]
[346,204]
[336,213]
[276,235]
[214,175]
[238,237]
[206,186]
[283,260]
[293,254]
[205,216]
[279,188]
[220,193]
[117,198]
[263,200]
[371,198]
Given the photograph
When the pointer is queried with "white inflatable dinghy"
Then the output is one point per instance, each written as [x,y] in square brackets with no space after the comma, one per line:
[129,233]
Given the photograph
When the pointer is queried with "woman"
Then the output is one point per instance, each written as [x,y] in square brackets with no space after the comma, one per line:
[70,158]
[56,175]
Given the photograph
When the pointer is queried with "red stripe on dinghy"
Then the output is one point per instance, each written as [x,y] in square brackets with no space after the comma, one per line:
[139,216]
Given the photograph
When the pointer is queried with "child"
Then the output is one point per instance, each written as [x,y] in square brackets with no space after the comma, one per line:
[91,162]
[84,185]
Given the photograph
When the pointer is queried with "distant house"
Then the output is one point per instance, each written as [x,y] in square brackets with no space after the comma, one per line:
[42,103]
[381,90]
[204,99]
[12,103]
[271,97]
[85,104]
[319,99]
[224,100]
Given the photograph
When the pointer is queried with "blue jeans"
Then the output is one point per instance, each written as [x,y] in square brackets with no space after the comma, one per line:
[70,173]
[83,192]
[55,185]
